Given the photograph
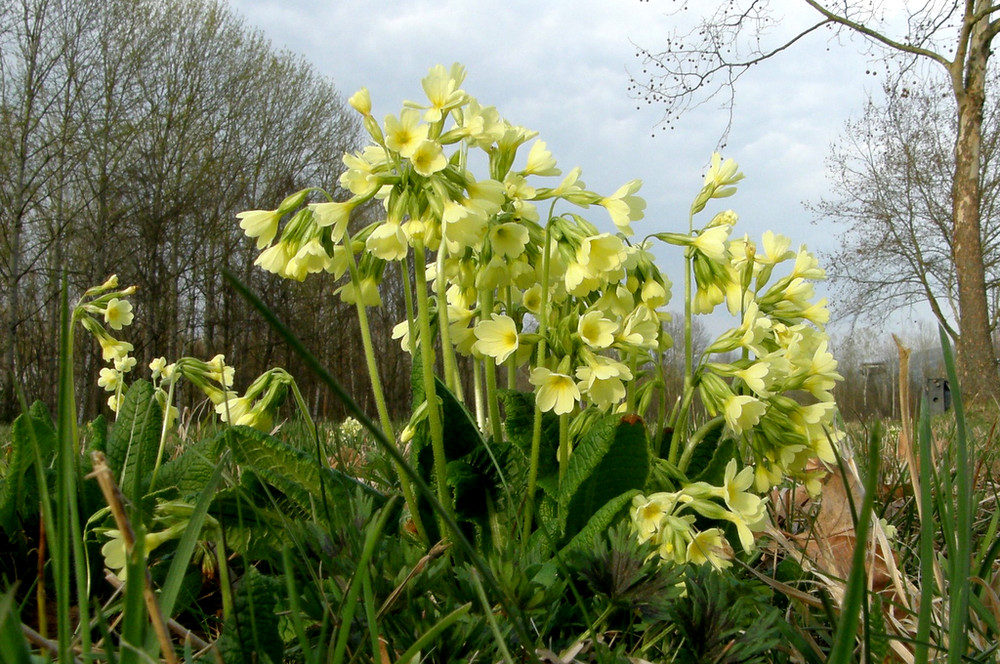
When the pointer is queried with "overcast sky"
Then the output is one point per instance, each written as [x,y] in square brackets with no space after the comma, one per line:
[562,67]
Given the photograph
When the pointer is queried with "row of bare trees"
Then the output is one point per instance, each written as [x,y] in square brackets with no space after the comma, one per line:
[131,133]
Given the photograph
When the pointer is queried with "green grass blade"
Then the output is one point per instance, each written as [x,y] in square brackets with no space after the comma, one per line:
[370,610]
[71,555]
[12,643]
[927,534]
[855,597]
[294,606]
[428,637]
[488,612]
[959,565]
[349,605]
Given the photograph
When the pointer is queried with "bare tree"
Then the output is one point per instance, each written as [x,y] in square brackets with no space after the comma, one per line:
[955,36]
[891,172]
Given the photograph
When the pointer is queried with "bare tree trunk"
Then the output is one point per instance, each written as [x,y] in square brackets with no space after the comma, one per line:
[976,355]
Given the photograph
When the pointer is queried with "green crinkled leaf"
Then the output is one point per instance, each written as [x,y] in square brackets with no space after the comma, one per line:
[97,435]
[189,472]
[251,635]
[19,490]
[599,524]
[135,438]
[519,418]
[714,472]
[461,435]
[704,451]
[475,480]
[611,458]
[292,471]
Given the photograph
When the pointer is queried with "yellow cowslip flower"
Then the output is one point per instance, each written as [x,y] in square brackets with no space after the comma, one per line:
[601,253]
[806,266]
[710,546]
[115,401]
[157,366]
[821,374]
[401,331]
[442,89]
[405,133]
[370,296]
[743,412]
[118,313]
[309,259]
[595,330]
[274,259]
[722,174]
[388,241]
[496,338]
[674,537]
[540,161]
[601,379]
[755,377]
[738,499]
[508,239]
[464,226]
[487,195]
[654,294]
[712,243]
[532,299]
[428,158]
[571,184]
[554,392]
[775,248]
[624,206]
[112,349]
[109,379]
[580,280]
[493,275]
[116,556]
[648,513]
[334,214]
[125,364]
[261,224]
[359,177]
[640,328]
[361,101]
[233,409]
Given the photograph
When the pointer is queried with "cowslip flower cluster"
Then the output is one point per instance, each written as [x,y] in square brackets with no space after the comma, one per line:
[259,403]
[498,263]
[668,519]
[109,303]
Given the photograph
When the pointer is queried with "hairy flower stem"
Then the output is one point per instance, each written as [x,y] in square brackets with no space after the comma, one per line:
[486,308]
[427,373]
[448,361]
[404,480]
[380,404]
[680,425]
[477,388]
[512,360]
[536,425]
[163,430]
[563,446]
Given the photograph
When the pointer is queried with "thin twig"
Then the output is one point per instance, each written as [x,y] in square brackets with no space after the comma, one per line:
[436,552]
[42,642]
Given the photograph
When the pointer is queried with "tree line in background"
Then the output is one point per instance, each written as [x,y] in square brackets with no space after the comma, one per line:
[131,133]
